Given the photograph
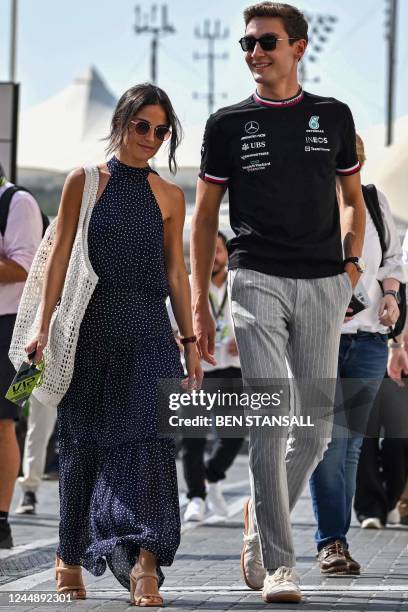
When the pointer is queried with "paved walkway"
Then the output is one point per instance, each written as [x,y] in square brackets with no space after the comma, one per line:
[206,573]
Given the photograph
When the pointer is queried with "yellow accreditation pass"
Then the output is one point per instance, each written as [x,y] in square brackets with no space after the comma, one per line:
[28,376]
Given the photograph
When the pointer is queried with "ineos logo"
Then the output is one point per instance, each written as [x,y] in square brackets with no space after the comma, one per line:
[252,127]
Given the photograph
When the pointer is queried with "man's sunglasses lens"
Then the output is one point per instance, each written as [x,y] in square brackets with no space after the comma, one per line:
[268,43]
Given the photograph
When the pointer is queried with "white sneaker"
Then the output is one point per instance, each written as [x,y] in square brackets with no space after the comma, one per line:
[252,568]
[27,504]
[195,510]
[394,517]
[282,585]
[371,523]
[215,499]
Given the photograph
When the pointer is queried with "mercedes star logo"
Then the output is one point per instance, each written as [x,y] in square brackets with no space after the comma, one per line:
[251,127]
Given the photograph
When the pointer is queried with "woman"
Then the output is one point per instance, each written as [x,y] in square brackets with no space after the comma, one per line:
[118,486]
[363,358]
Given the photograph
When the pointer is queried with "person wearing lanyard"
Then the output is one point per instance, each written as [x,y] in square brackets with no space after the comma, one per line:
[362,360]
[196,470]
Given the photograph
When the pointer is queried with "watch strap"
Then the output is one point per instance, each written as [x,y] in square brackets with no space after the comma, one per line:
[394,293]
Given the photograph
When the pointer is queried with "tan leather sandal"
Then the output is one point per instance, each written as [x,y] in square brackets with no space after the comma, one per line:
[77,591]
[147,600]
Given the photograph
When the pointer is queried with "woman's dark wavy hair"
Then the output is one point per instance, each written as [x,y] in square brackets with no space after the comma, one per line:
[130,104]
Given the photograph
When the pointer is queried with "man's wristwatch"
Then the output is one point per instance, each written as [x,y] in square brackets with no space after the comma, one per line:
[395,294]
[357,261]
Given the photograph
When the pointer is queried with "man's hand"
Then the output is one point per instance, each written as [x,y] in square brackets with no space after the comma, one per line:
[204,329]
[388,311]
[349,316]
[232,348]
[397,365]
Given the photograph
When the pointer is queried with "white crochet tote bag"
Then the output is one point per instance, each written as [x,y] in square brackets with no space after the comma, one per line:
[80,282]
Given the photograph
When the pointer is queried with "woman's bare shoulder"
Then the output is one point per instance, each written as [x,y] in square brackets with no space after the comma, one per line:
[170,189]
[75,180]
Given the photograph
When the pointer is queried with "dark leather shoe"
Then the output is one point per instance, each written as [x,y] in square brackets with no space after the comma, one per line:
[331,558]
[353,567]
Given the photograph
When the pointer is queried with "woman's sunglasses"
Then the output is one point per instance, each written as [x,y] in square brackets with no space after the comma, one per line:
[267,42]
[142,127]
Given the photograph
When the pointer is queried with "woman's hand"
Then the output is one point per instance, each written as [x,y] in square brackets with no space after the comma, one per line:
[193,366]
[37,344]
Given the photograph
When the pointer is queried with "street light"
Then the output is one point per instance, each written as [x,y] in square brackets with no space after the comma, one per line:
[148,24]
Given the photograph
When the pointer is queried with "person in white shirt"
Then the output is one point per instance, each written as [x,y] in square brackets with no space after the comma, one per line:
[363,358]
[398,354]
[18,244]
[383,467]
[203,479]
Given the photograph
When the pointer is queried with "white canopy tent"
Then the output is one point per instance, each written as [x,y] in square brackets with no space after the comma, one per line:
[67,129]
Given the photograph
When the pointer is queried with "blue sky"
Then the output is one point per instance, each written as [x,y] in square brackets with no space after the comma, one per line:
[58,41]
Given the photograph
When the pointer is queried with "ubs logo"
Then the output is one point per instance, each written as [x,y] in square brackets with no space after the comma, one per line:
[252,127]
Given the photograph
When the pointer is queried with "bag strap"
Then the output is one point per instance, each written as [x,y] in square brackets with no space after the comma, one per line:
[5,201]
[88,202]
[373,206]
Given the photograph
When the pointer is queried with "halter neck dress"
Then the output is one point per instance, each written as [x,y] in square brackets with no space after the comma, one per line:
[118,483]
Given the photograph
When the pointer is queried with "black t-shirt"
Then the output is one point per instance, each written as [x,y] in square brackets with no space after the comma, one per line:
[280,160]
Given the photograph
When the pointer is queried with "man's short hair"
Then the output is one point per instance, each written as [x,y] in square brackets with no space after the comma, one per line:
[293,20]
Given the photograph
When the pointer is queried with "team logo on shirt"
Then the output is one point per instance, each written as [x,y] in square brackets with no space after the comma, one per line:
[252,127]
[316,139]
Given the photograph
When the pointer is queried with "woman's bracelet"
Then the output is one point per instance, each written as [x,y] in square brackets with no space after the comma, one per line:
[188,339]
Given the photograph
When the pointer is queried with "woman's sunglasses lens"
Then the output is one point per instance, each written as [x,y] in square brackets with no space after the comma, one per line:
[162,133]
[142,127]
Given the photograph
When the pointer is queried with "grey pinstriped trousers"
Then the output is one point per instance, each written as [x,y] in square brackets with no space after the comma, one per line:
[301,319]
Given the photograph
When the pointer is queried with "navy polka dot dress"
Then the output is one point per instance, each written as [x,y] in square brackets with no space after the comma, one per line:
[118,483]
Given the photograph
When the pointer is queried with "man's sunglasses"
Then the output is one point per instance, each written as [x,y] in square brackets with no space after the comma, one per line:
[142,127]
[267,42]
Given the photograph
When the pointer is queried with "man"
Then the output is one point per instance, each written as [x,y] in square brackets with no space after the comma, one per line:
[18,244]
[362,362]
[226,374]
[278,152]
[40,426]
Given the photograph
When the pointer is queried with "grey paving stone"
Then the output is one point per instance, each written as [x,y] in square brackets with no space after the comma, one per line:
[209,558]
